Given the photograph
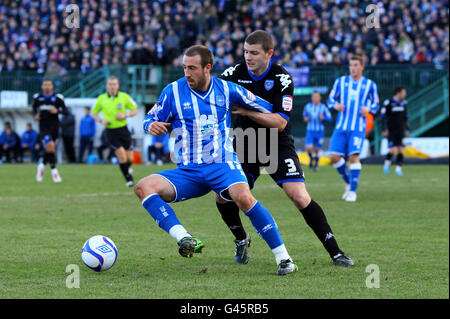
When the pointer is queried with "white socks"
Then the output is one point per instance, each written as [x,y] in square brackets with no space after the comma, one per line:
[280,253]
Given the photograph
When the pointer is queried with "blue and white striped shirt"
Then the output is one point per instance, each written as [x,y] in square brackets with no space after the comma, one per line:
[201,121]
[354,95]
[311,111]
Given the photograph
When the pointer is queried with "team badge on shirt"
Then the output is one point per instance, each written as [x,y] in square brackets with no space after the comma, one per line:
[268,84]
[287,103]
[119,106]
[220,100]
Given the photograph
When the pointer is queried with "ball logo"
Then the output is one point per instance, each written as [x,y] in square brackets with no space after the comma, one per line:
[104,248]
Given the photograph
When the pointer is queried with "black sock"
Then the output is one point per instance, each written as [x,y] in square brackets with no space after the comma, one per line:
[311,159]
[230,215]
[315,218]
[389,156]
[399,161]
[49,158]
[124,168]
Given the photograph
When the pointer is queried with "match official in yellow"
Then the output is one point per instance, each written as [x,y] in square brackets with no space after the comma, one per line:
[116,106]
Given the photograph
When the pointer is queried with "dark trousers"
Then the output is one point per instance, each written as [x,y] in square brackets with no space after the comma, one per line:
[12,153]
[68,147]
[85,143]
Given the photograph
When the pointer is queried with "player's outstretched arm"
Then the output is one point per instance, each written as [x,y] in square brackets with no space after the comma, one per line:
[269,120]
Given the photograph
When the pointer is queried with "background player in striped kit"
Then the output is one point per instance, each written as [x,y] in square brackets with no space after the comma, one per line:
[315,113]
[353,96]
[198,107]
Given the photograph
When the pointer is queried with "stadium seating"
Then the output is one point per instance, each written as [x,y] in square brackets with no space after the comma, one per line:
[34,35]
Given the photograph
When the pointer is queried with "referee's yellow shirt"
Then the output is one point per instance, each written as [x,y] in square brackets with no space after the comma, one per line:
[112,105]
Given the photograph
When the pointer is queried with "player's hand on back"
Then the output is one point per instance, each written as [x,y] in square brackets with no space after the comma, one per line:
[120,116]
[306,119]
[240,110]
[364,110]
[339,107]
[158,128]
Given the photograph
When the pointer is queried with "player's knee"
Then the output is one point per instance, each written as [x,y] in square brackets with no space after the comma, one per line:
[354,158]
[301,199]
[145,187]
[335,158]
[244,201]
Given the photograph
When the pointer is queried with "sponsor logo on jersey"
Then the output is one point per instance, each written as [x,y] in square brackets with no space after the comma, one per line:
[287,103]
[187,106]
[155,109]
[268,85]
[46,107]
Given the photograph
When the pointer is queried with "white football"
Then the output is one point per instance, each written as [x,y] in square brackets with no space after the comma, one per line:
[99,253]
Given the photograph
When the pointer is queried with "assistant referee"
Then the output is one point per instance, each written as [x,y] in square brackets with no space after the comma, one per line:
[114,105]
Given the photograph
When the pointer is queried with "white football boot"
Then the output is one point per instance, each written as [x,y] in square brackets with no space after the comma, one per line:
[55,175]
[351,197]
[347,190]
[40,172]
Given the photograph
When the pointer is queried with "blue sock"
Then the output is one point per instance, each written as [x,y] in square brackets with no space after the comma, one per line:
[265,225]
[341,167]
[355,170]
[161,212]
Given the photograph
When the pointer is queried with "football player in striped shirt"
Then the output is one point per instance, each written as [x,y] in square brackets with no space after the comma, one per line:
[198,108]
[315,113]
[352,96]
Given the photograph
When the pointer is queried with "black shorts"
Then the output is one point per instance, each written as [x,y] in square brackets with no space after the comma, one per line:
[48,133]
[286,169]
[119,137]
[395,138]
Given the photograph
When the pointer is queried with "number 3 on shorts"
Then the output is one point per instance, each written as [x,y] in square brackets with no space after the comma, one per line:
[290,164]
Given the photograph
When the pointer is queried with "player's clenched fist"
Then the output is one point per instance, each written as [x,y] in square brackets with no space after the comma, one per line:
[158,128]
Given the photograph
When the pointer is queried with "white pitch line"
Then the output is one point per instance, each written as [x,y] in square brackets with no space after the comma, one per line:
[105,194]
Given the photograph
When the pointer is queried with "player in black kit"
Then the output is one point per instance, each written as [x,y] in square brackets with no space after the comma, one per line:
[274,84]
[394,121]
[46,107]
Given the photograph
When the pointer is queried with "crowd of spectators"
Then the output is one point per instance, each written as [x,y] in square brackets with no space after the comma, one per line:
[34,35]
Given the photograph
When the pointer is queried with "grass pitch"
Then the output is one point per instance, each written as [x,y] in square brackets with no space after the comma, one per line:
[399,224]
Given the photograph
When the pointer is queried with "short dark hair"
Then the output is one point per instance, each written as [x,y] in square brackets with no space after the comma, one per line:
[206,56]
[261,37]
[398,89]
[48,80]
